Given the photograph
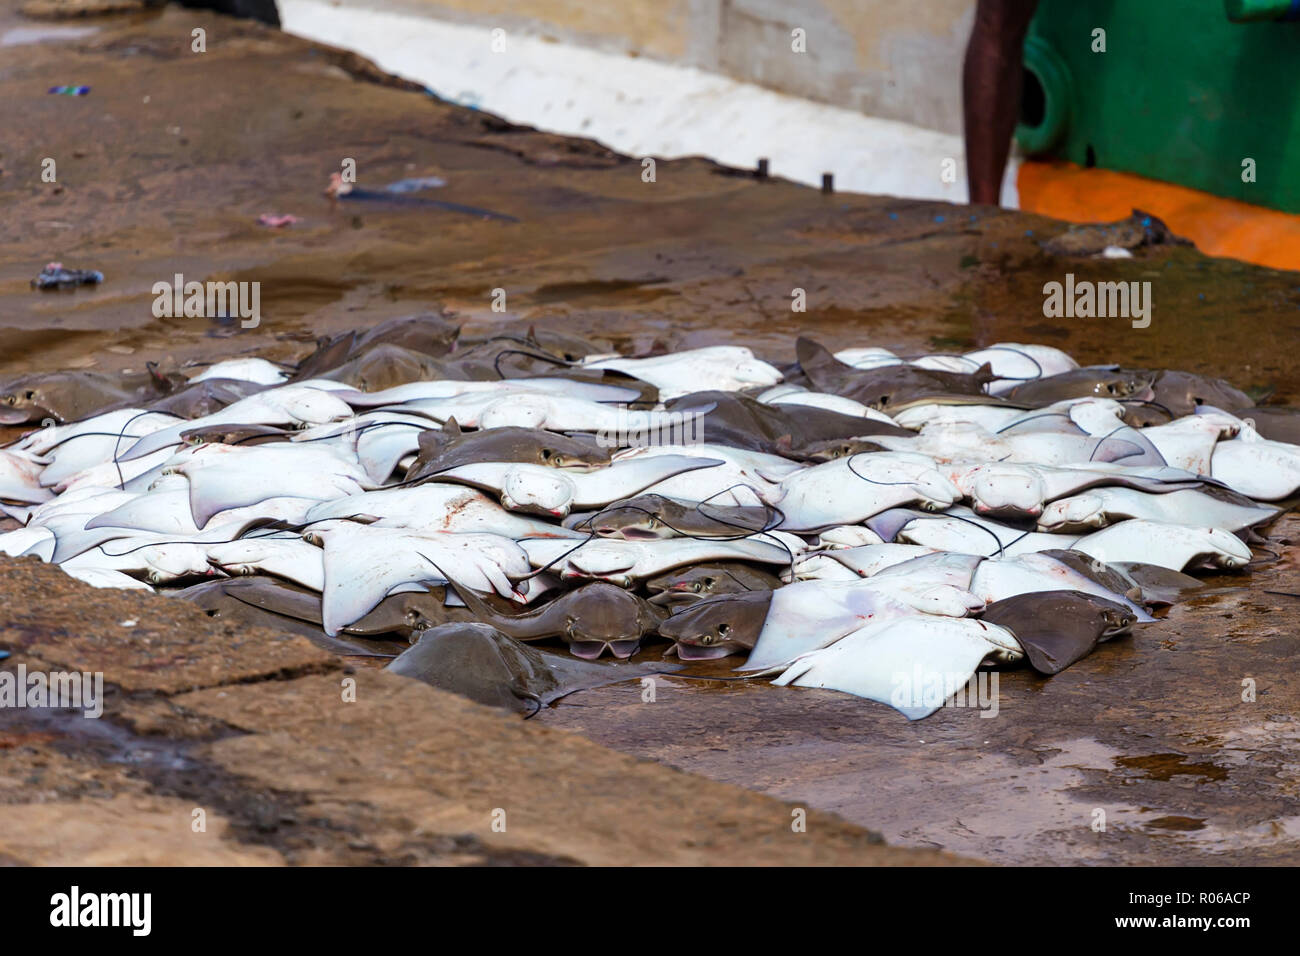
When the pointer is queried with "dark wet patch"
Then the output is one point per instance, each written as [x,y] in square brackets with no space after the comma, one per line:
[1170,765]
[1176,823]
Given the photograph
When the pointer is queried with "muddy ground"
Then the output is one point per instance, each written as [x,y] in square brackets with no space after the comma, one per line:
[164,168]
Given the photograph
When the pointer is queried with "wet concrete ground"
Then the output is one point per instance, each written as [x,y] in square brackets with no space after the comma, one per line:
[165,167]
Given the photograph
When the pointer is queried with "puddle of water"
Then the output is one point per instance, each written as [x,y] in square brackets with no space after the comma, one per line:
[1170,765]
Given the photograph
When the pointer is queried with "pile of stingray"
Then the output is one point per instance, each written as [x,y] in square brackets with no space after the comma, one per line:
[863,522]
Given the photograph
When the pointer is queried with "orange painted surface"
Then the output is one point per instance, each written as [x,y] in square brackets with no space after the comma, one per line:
[1218,226]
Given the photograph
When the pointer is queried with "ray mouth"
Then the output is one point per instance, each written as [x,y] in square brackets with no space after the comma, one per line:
[672,599]
[588,650]
[625,648]
[696,652]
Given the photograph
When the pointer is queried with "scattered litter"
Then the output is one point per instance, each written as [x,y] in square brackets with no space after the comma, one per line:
[1116,252]
[54,276]
[3,655]
[415,184]
[338,189]
[129,622]
[276,220]
[70,90]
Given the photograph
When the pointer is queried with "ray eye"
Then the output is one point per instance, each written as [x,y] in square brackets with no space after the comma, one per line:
[10,399]
[696,586]
[706,639]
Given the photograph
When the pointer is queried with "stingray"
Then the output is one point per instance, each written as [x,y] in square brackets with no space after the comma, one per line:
[687,585]
[996,579]
[380,439]
[1021,489]
[442,450]
[848,536]
[403,614]
[282,554]
[479,662]
[20,478]
[1258,468]
[257,370]
[951,569]
[885,387]
[106,578]
[1172,546]
[590,619]
[244,475]
[656,516]
[836,448]
[221,600]
[1158,585]
[35,540]
[1012,363]
[385,366]
[205,398]
[949,443]
[1276,423]
[77,447]
[1110,382]
[65,396]
[426,332]
[808,615]
[287,404]
[743,422]
[1058,628]
[802,397]
[1184,392]
[158,561]
[625,562]
[443,389]
[854,489]
[1189,443]
[1101,507]
[234,434]
[729,367]
[961,530]
[167,509]
[363,564]
[1107,576]
[542,490]
[436,507]
[971,411]
[716,626]
[563,345]
[914,664]
[553,411]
